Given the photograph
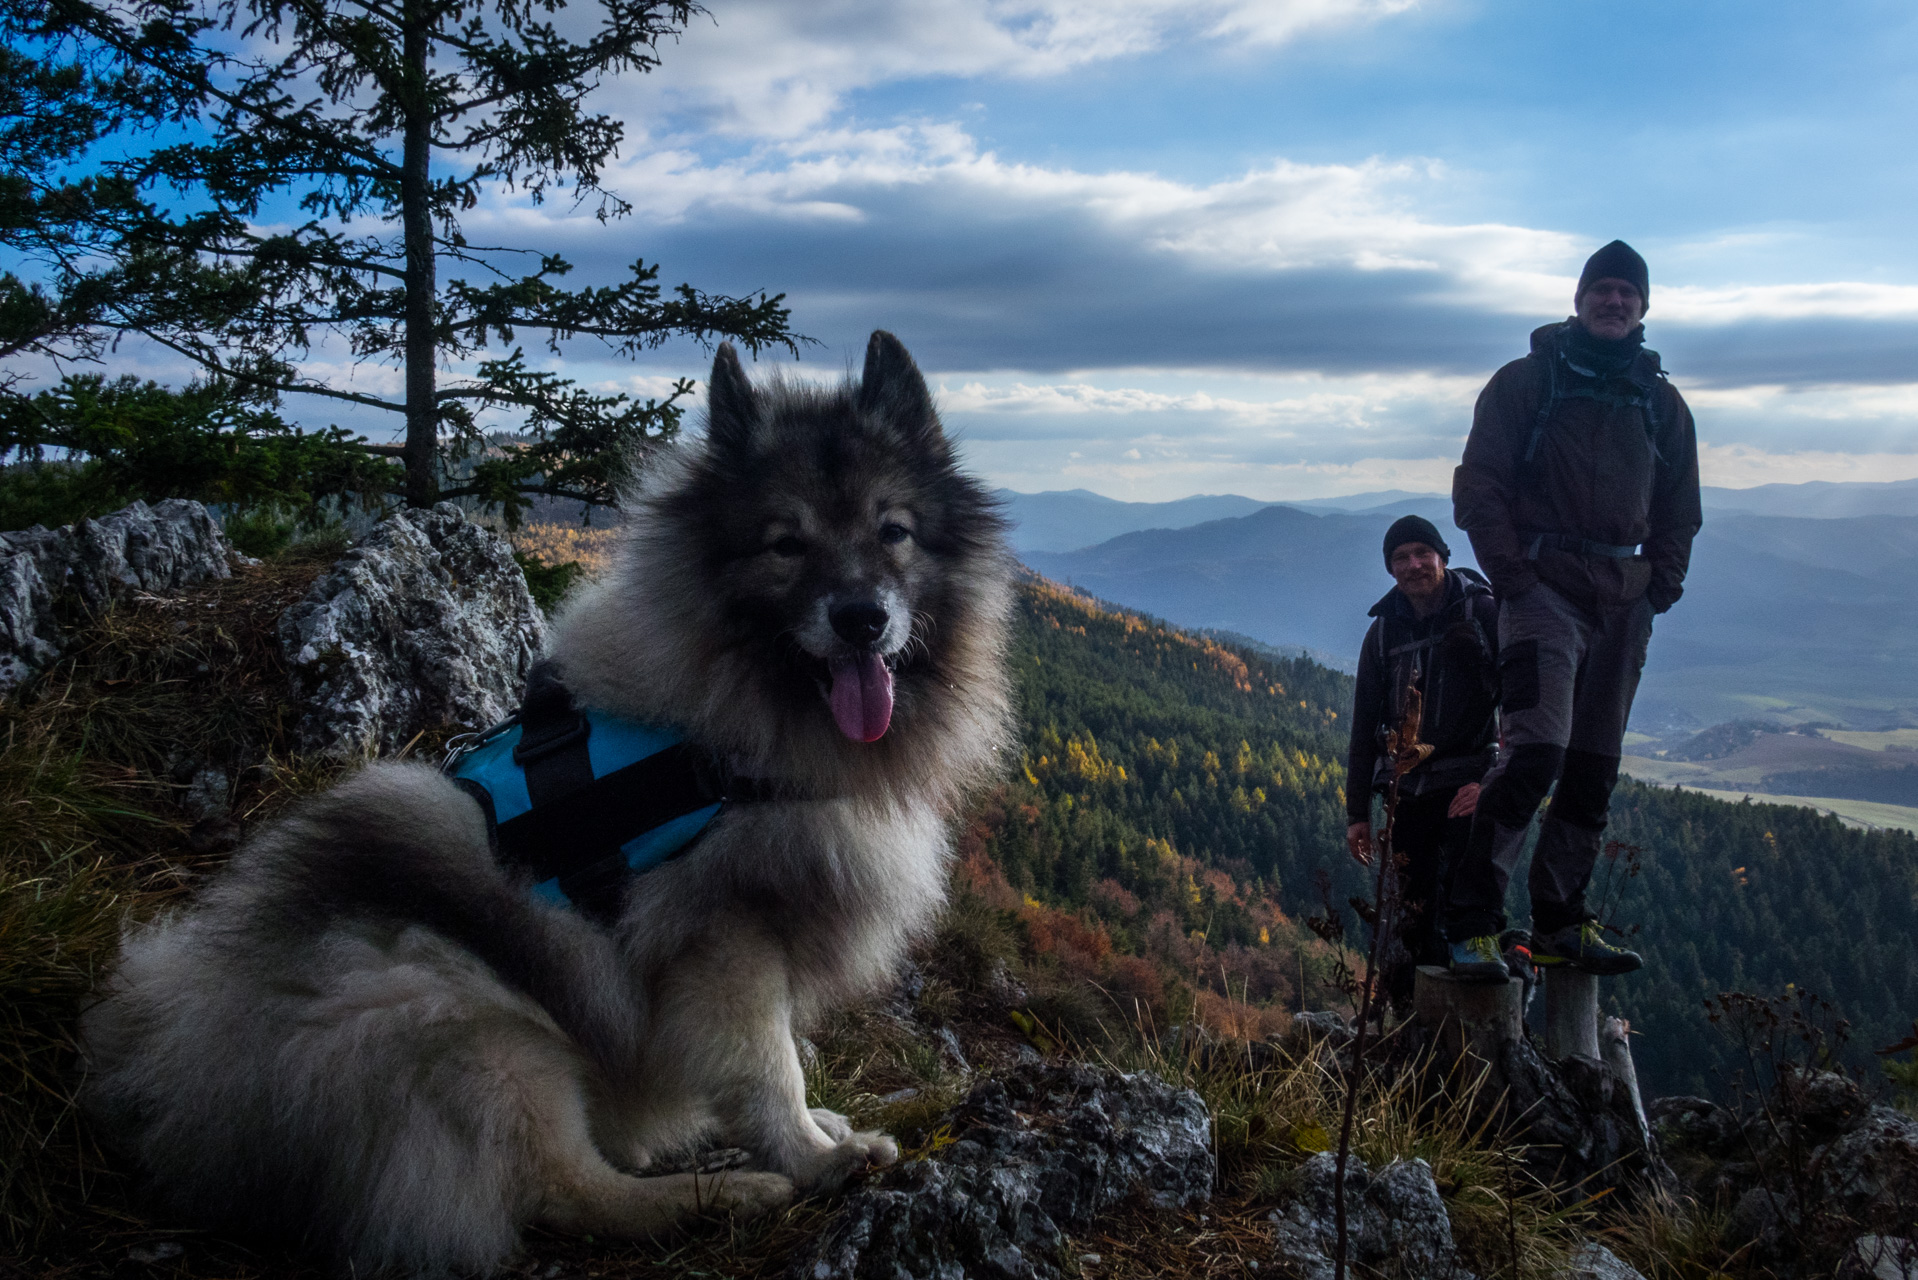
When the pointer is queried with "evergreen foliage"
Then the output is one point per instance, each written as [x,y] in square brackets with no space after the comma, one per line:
[1172,790]
[382,124]
[113,442]
[1753,897]
[1172,785]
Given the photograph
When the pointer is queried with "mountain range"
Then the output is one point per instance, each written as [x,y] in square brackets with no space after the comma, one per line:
[1068,519]
[1788,613]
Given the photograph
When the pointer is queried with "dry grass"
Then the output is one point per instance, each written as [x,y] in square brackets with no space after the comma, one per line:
[1674,1239]
[91,756]
[1274,1110]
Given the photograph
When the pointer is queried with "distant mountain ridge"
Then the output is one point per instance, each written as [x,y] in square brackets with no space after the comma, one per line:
[1799,619]
[1067,520]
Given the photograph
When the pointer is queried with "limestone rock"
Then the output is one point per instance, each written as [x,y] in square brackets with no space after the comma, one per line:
[1881,1258]
[1870,1175]
[1698,1123]
[426,622]
[1040,1151]
[1322,1024]
[1593,1261]
[92,564]
[1396,1223]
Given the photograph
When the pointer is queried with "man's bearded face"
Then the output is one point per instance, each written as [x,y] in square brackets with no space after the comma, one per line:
[1417,568]
[1610,308]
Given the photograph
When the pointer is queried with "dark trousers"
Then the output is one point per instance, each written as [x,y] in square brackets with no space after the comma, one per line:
[1567,679]
[1430,842]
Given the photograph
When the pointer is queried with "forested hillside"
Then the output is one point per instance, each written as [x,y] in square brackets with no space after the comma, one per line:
[1176,797]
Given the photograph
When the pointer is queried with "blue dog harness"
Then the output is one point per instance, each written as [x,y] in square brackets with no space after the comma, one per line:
[583,801]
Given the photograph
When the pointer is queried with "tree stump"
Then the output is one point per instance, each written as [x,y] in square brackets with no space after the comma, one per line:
[1468,1017]
[1571,1014]
[1574,1109]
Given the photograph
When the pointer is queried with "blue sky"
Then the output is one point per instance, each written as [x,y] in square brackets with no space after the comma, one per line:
[1274,247]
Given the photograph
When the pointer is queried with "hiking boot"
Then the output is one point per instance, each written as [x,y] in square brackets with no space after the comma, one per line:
[1478,958]
[1582,946]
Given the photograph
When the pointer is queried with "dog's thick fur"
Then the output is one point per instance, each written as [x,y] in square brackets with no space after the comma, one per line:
[367,1037]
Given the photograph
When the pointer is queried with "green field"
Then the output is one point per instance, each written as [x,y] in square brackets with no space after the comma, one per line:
[1858,813]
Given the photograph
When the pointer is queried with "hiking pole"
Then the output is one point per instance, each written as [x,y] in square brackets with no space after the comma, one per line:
[1407,753]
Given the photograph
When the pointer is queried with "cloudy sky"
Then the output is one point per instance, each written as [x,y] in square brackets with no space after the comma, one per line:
[1274,247]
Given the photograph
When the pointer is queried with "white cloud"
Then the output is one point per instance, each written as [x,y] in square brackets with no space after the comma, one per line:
[774,68]
[1837,299]
[1743,467]
[1146,475]
[1896,403]
[1280,217]
[1306,401]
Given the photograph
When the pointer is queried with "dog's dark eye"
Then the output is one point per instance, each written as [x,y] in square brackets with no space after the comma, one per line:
[890,533]
[788,546]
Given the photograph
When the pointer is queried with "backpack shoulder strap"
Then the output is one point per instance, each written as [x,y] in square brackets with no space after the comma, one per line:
[1548,399]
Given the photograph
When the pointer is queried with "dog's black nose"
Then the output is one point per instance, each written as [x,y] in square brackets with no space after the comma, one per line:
[861,623]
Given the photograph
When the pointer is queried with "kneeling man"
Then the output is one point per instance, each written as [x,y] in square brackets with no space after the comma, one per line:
[1435,631]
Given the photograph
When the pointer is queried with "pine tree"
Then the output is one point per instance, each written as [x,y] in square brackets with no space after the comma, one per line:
[383,122]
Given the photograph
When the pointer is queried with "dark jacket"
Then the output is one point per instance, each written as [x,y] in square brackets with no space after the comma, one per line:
[1598,473]
[1455,651]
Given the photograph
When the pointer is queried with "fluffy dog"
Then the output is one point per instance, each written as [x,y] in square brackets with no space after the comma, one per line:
[366,1036]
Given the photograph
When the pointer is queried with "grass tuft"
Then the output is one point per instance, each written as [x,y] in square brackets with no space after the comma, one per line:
[94,756]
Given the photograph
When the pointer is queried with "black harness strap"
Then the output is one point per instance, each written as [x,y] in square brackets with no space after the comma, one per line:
[607,812]
[552,741]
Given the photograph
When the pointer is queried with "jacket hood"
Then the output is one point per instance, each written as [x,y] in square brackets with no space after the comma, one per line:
[1545,346]
[1459,584]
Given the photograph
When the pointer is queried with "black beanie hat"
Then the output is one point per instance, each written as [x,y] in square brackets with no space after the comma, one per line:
[1414,529]
[1616,261]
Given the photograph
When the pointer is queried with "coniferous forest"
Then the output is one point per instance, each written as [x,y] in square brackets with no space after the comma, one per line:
[1182,798]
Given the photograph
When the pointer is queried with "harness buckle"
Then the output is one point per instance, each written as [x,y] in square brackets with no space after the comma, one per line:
[461,745]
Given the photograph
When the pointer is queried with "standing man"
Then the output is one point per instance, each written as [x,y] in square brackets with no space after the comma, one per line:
[1579,490]
[1437,630]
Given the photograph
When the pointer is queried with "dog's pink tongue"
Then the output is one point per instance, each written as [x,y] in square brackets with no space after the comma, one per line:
[861,697]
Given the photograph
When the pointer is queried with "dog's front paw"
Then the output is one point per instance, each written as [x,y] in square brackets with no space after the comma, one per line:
[881,1149]
[837,1127]
[748,1195]
[828,1172]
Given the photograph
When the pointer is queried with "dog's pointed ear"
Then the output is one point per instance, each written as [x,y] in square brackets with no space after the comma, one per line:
[732,406]
[894,390]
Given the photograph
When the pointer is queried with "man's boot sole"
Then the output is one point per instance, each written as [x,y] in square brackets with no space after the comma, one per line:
[1598,969]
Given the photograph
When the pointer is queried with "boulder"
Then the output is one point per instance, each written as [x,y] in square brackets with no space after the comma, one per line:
[1396,1223]
[1881,1258]
[1593,1261]
[1806,1183]
[1869,1176]
[1039,1152]
[427,622]
[87,566]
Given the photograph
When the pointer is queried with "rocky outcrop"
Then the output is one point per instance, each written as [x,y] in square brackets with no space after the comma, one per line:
[426,622]
[1817,1175]
[1396,1223]
[47,575]
[1037,1153]
[1593,1261]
